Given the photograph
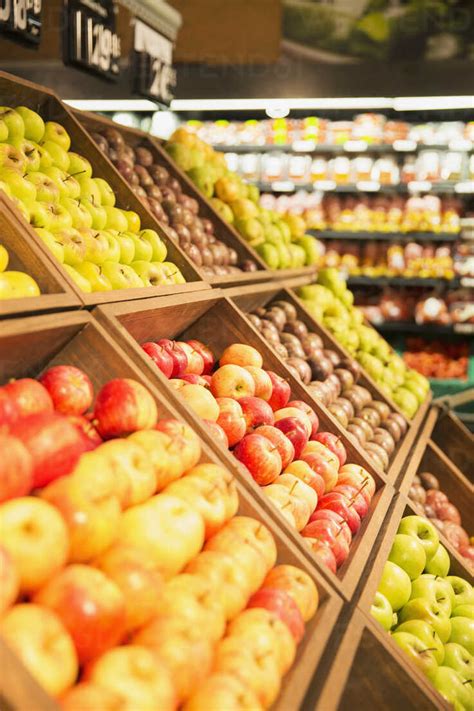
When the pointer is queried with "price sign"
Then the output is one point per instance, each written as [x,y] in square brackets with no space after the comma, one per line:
[90,40]
[154,76]
[21,19]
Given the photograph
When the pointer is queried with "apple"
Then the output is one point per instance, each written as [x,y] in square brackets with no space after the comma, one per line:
[9,410]
[160,357]
[283,501]
[184,442]
[136,676]
[9,582]
[33,123]
[87,696]
[244,553]
[329,515]
[163,454]
[56,133]
[70,389]
[459,659]
[339,503]
[298,584]
[322,552]
[35,536]
[12,157]
[49,239]
[381,610]
[423,530]
[217,433]
[41,642]
[232,381]
[463,591]
[78,279]
[294,428]
[123,406]
[256,412]
[283,605]
[46,188]
[263,383]
[180,359]
[417,652]
[355,497]
[359,478]
[219,569]
[28,396]
[430,611]
[463,611]
[134,473]
[432,587]
[298,414]
[427,635]
[223,691]
[205,353]
[452,687]
[16,468]
[304,407]
[260,456]
[201,401]
[395,585]
[282,443]
[303,471]
[20,188]
[330,533]
[256,534]
[332,442]
[408,553]
[281,391]
[195,359]
[326,468]
[462,632]
[74,246]
[231,419]
[242,355]
[207,499]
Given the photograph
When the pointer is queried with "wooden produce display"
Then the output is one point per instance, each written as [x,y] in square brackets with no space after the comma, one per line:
[14,91]
[214,320]
[28,254]
[251,298]
[448,432]
[30,345]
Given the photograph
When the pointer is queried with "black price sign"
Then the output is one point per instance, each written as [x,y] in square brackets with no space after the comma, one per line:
[21,19]
[90,40]
[154,75]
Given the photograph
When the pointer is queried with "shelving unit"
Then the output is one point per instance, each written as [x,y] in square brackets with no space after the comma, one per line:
[386,236]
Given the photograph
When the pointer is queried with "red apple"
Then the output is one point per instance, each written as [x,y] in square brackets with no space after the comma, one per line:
[333,442]
[446,511]
[313,418]
[231,419]
[298,414]
[263,383]
[54,444]
[195,359]
[180,359]
[324,529]
[329,515]
[91,607]
[323,467]
[303,471]
[70,389]
[338,503]
[281,392]
[355,496]
[465,551]
[160,356]
[124,406]
[16,468]
[323,553]
[207,379]
[194,379]
[9,410]
[260,457]
[296,432]
[355,475]
[455,535]
[217,433]
[256,412]
[435,498]
[232,381]
[29,396]
[85,426]
[206,354]
[283,605]
[282,443]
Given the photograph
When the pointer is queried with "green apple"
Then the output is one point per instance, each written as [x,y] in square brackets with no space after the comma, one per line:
[67,185]
[97,246]
[78,279]
[31,153]
[46,189]
[424,631]
[462,632]
[423,530]
[3,131]
[116,219]
[13,121]
[79,167]
[173,274]
[74,246]
[127,246]
[40,215]
[59,156]
[151,273]
[463,591]
[439,563]
[122,276]
[106,192]
[97,213]
[409,554]
[17,285]
[312,249]
[417,651]
[56,133]
[269,254]
[60,217]
[451,686]
[395,585]
[133,221]
[46,159]
[143,248]
[19,186]
[95,276]
[157,244]
[49,239]
[12,157]
[394,619]
[81,217]
[6,189]
[463,611]
[90,190]
[434,588]
[114,247]
[381,610]
[298,256]
[457,657]
[428,610]
[3,258]
[34,124]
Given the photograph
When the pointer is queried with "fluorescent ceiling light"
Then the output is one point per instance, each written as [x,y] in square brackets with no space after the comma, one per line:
[432,103]
[112,104]
[372,102]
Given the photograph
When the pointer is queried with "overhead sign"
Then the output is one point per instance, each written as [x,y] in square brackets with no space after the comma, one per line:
[21,19]
[153,72]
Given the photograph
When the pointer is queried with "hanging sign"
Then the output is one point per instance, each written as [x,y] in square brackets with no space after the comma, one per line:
[154,75]
[21,19]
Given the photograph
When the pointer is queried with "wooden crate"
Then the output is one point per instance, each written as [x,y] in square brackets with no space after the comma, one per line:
[28,254]
[213,319]
[247,299]
[27,347]
[14,91]
[452,436]
[363,668]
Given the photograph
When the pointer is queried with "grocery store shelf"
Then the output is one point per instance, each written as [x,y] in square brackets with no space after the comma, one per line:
[348,147]
[456,283]
[369,186]
[425,329]
[398,236]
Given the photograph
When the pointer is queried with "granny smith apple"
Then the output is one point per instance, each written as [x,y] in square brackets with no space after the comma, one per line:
[46,188]
[463,611]
[59,156]
[34,124]
[458,658]
[56,133]
[17,285]
[424,631]
[463,590]
[269,254]
[127,246]
[143,248]
[97,213]
[78,279]
[439,563]
[106,192]
[116,220]
[158,246]
[79,166]
[133,221]
[434,588]
[74,246]
[428,610]
[3,258]
[423,530]
[462,632]
[122,276]
[13,121]
[395,585]
[450,685]
[19,186]
[89,190]
[95,276]
[417,651]
[381,610]
[49,239]
[81,217]
[408,553]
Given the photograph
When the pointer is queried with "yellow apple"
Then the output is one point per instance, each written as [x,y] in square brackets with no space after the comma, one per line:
[131,464]
[201,401]
[244,554]
[222,480]
[223,691]
[88,696]
[227,579]
[298,488]
[205,497]
[249,529]
[165,460]
[298,584]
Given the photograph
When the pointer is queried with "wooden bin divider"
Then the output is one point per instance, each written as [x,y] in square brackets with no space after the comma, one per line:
[28,254]
[214,320]
[452,435]
[32,344]
[51,108]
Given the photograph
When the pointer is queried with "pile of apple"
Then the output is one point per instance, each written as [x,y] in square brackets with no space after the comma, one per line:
[331,380]
[330,302]
[15,284]
[429,613]
[102,247]
[249,410]
[426,495]
[127,580]
[164,197]
[279,239]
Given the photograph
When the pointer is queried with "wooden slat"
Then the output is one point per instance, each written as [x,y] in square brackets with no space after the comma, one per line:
[453,437]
